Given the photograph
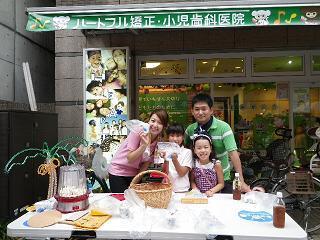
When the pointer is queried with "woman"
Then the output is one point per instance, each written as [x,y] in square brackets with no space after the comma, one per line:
[132,157]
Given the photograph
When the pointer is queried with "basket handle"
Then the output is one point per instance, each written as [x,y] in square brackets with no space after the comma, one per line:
[138,177]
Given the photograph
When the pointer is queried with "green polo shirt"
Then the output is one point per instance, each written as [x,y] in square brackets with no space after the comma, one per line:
[222,139]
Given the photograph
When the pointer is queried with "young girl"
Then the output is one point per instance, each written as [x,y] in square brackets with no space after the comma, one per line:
[207,174]
[130,158]
[181,164]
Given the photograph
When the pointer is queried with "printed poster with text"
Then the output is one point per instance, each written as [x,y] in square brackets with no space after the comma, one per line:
[105,98]
[176,105]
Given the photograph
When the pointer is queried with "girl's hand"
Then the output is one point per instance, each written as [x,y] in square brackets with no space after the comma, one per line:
[174,156]
[162,154]
[209,193]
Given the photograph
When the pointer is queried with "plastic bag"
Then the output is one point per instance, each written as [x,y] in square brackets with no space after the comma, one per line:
[100,164]
[260,200]
[169,148]
[137,126]
[133,199]
[48,204]
[106,205]
[206,221]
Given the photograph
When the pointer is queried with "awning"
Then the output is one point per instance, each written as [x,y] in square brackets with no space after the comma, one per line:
[175,15]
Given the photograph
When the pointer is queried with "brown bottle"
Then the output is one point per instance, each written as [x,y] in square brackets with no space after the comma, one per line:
[236,187]
[279,212]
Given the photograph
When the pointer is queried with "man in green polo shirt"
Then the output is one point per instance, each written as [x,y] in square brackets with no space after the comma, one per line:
[224,143]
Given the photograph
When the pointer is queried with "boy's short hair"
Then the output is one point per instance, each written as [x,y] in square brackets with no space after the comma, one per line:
[202,97]
[93,52]
[175,128]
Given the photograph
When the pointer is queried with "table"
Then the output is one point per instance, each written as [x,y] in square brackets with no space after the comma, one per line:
[222,206]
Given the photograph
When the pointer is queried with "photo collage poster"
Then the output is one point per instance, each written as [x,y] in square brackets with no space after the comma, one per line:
[105,98]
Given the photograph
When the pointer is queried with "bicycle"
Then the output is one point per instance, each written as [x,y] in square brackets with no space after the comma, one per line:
[300,189]
[314,164]
[277,161]
[301,193]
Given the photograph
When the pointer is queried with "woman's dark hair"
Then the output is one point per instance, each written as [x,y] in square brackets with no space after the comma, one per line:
[175,128]
[162,115]
[206,136]
[93,84]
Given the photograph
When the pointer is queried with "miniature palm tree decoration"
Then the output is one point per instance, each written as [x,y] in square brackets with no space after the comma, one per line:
[63,151]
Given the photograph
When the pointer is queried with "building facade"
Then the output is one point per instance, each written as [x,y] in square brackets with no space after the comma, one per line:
[256,74]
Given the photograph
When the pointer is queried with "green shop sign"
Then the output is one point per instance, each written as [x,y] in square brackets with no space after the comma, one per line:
[181,18]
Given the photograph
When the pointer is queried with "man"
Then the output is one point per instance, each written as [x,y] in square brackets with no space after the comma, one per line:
[223,139]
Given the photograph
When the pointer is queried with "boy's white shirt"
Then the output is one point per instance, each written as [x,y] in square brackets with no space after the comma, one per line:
[181,184]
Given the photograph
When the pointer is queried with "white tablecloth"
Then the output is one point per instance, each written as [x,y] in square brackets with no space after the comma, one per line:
[222,206]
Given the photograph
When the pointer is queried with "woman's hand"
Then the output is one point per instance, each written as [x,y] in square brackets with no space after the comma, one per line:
[145,139]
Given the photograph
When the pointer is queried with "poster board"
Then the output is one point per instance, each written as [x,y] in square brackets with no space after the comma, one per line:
[301,100]
[106,109]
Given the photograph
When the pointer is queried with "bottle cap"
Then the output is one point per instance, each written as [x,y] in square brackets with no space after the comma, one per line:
[236,174]
[279,194]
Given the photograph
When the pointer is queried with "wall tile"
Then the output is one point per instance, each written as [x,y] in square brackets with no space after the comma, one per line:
[69,67]
[69,90]
[70,116]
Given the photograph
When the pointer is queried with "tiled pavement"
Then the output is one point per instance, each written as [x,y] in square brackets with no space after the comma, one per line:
[315,235]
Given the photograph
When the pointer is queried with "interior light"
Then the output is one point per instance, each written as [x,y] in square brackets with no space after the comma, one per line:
[237,67]
[289,61]
[204,62]
[265,89]
[152,64]
[220,86]
[213,68]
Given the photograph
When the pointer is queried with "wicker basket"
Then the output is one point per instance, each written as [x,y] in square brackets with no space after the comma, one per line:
[156,195]
[300,183]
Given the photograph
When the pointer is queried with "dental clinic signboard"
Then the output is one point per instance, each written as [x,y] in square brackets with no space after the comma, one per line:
[176,18]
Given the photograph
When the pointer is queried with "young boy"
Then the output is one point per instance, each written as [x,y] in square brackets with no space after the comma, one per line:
[222,138]
[95,66]
[181,164]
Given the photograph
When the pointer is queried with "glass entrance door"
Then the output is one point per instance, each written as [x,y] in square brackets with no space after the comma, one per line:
[306,115]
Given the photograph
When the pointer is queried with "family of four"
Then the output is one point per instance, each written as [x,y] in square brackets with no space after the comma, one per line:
[206,148]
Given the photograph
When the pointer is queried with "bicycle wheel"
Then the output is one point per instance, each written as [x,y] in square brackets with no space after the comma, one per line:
[266,183]
[313,207]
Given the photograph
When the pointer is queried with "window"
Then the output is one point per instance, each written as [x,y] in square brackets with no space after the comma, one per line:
[164,68]
[280,64]
[316,63]
[220,66]
[253,110]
